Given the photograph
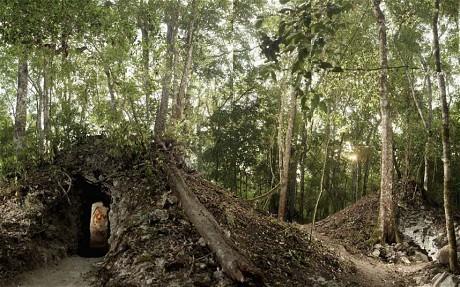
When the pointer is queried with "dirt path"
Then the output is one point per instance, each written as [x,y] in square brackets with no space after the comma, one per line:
[371,272]
[67,273]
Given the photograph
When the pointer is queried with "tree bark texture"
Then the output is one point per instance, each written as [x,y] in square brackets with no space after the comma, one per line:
[144,26]
[429,122]
[446,154]
[303,157]
[387,214]
[160,121]
[180,98]
[323,174]
[292,187]
[285,144]
[21,103]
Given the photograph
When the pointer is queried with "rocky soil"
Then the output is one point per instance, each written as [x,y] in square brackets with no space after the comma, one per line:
[422,230]
[152,243]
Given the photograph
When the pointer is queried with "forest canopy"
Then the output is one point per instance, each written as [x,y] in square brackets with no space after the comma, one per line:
[280,102]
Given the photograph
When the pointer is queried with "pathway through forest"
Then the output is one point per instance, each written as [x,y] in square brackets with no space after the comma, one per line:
[67,273]
[370,271]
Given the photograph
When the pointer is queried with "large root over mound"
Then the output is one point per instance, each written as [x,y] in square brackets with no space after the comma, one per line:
[232,262]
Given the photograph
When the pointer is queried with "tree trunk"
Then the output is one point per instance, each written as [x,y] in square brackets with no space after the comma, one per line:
[160,122]
[302,169]
[40,128]
[47,87]
[323,173]
[387,214]
[332,187]
[113,104]
[144,26]
[20,119]
[235,265]
[179,106]
[285,154]
[429,124]
[453,262]
[281,155]
[292,182]
[396,164]
[368,158]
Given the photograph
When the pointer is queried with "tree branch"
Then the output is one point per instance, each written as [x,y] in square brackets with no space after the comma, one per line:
[341,69]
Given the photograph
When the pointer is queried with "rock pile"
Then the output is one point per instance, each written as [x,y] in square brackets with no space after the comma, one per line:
[406,253]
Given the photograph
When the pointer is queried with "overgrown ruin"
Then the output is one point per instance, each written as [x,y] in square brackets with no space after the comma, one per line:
[152,241]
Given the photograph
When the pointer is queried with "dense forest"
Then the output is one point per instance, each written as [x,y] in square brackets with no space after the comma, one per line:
[298,108]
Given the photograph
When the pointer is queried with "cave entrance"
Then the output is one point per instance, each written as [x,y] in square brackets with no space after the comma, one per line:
[93,221]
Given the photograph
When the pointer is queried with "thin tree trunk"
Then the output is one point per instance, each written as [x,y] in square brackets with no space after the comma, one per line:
[396,164]
[21,103]
[408,148]
[160,122]
[281,151]
[286,154]
[353,180]
[40,128]
[368,158]
[113,104]
[180,98]
[387,214]
[332,188]
[175,74]
[292,183]
[144,26]
[47,88]
[47,83]
[323,173]
[453,262]
[302,169]
[429,123]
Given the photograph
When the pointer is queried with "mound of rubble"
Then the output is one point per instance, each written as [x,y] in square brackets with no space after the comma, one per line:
[353,226]
[421,225]
[406,252]
[152,241]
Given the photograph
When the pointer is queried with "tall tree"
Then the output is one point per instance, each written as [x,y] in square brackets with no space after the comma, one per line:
[429,124]
[387,215]
[47,87]
[178,107]
[20,118]
[446,153]
[143,23]
[160,121]
[284,145]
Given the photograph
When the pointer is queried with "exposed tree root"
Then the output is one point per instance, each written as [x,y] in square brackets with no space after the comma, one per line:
[235,265]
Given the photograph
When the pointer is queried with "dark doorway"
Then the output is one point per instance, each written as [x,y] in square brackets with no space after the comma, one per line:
[89,194]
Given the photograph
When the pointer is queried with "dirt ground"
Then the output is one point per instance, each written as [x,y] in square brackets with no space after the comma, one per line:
[371,272]
[69,272]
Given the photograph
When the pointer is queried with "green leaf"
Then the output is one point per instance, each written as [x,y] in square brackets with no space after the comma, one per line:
[315,100]
[337,69]
[259,23]
[322,106]
[297,66]
[325,65]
